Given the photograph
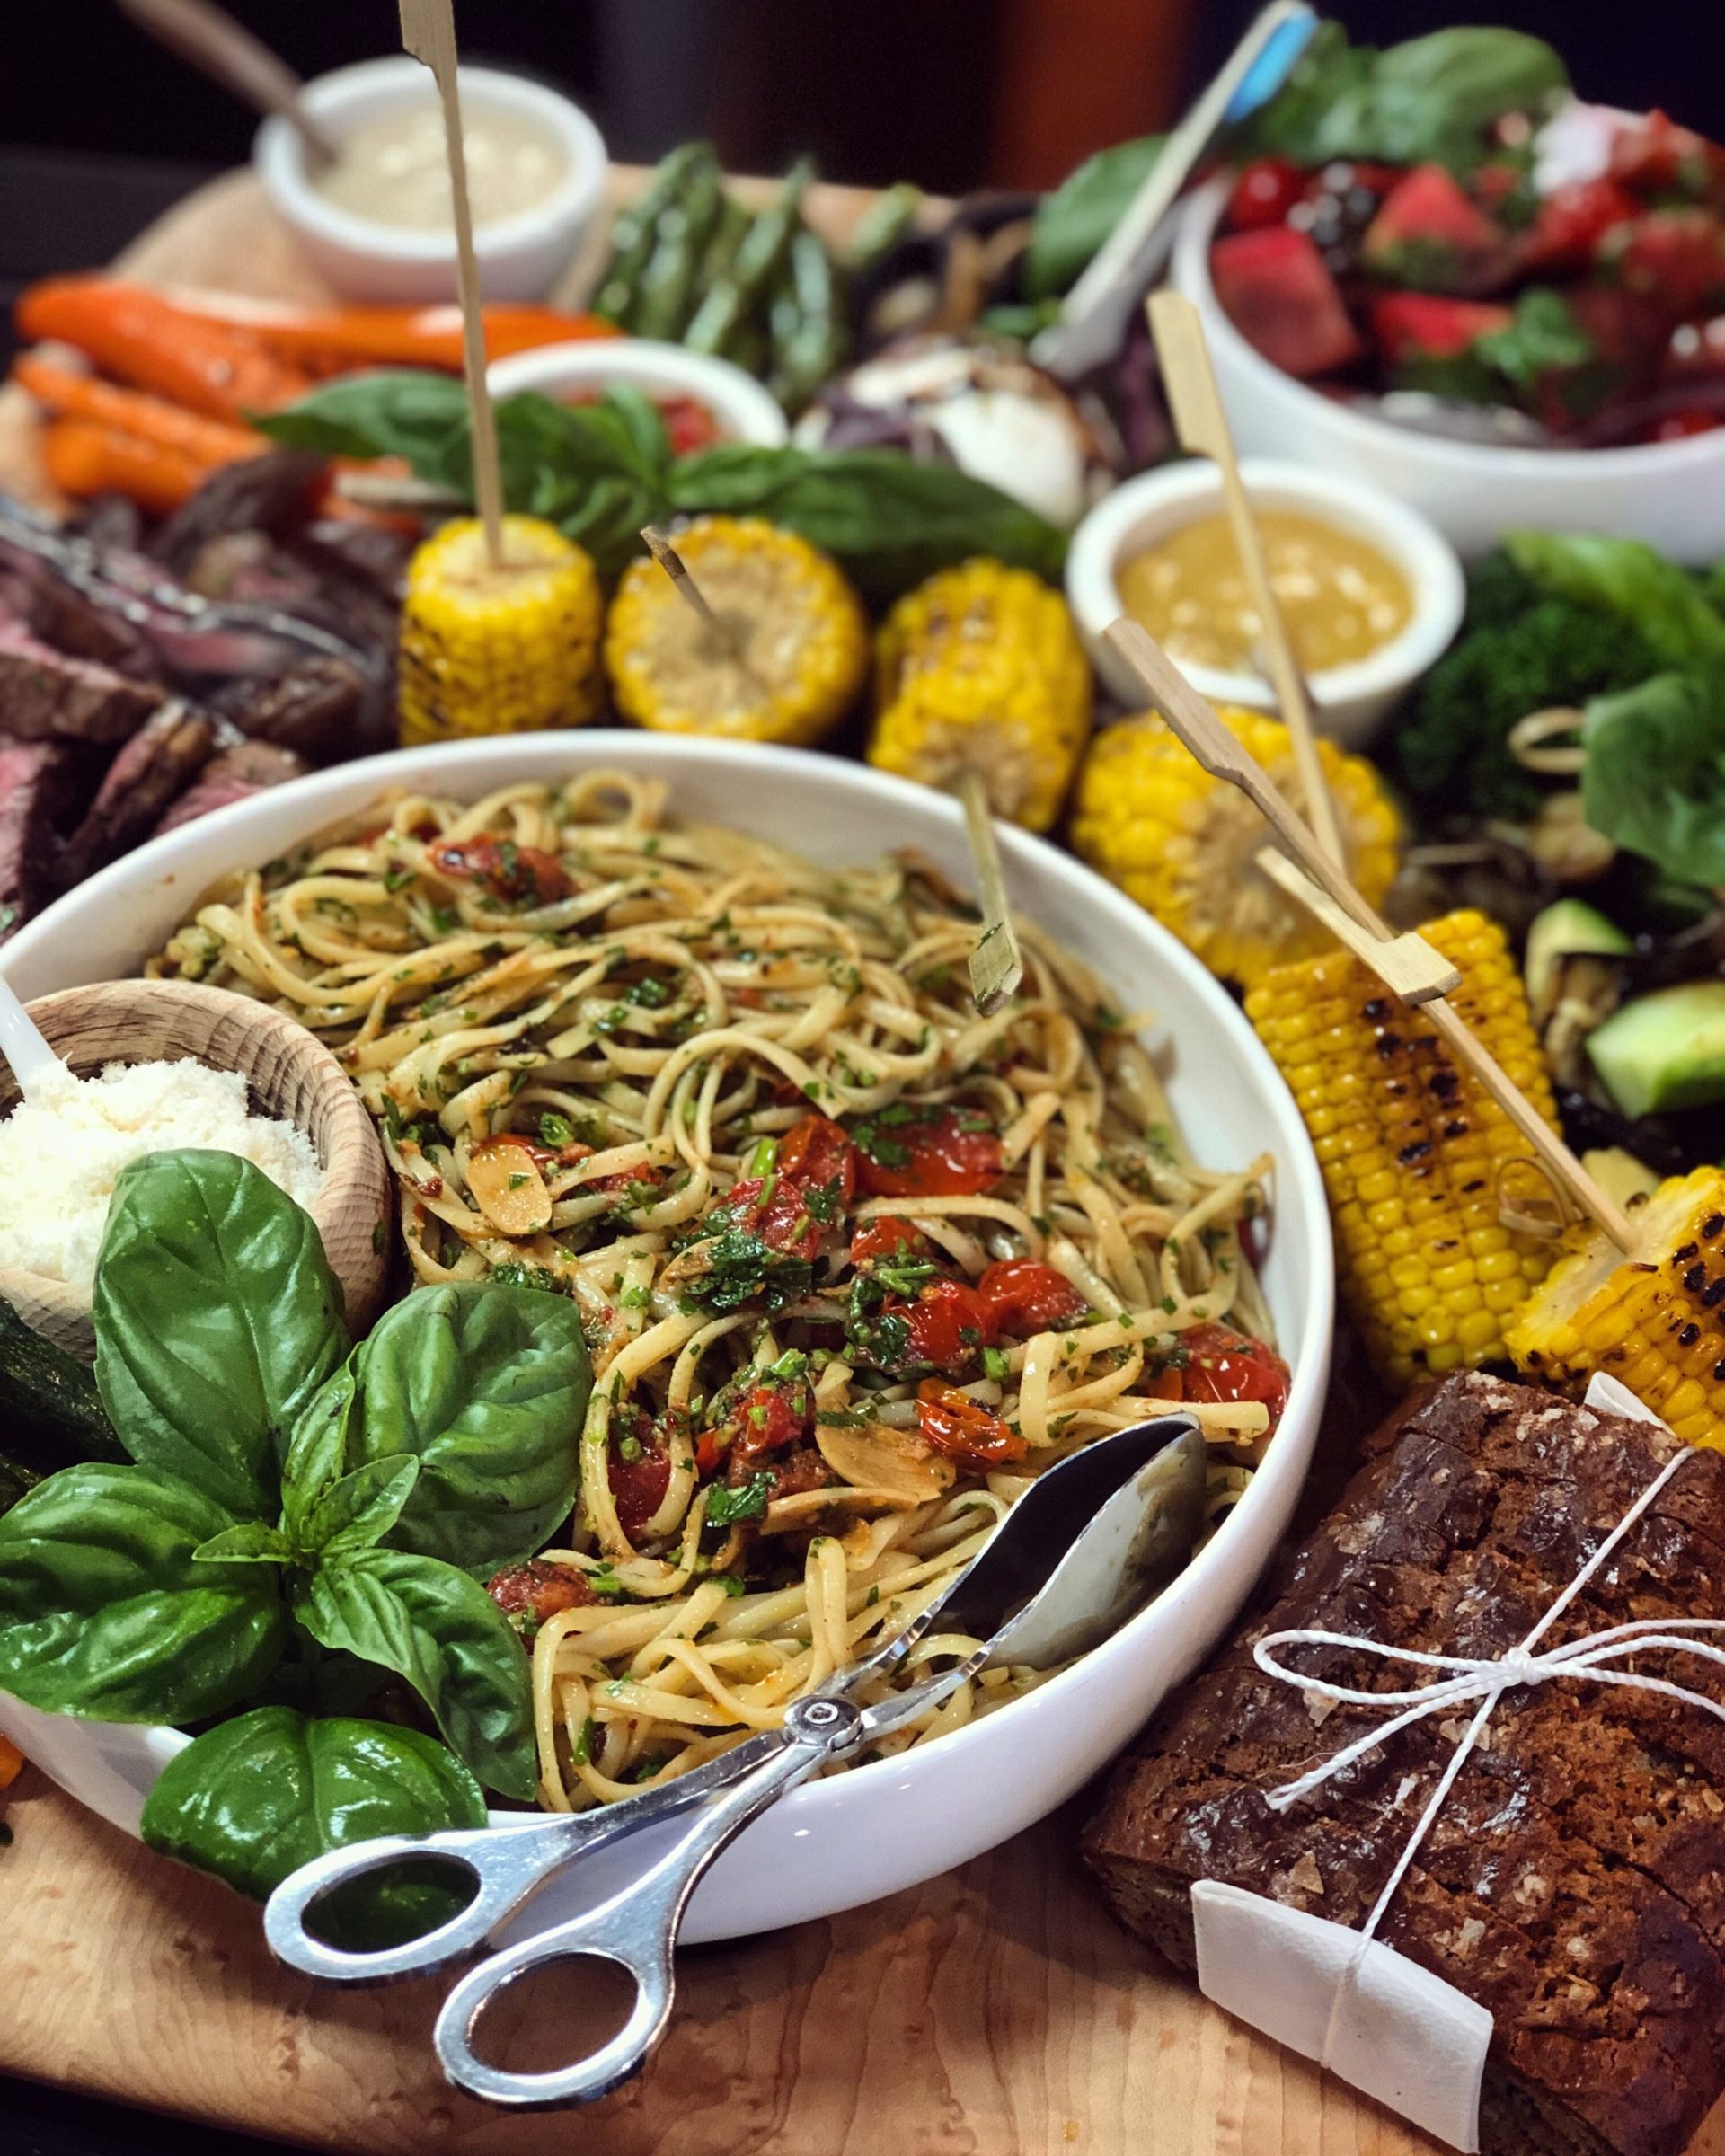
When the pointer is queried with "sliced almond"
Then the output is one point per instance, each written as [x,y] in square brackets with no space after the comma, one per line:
[874,1456]
[508,1187]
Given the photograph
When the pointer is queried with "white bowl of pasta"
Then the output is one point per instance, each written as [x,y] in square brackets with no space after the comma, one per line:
[1001,1760]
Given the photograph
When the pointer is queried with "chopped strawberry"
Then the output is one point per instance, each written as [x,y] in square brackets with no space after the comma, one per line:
[1276,289]
[1431,234]
[1654,156]
[1677,426]
[1411,326]
[1570,224]
[1676,257]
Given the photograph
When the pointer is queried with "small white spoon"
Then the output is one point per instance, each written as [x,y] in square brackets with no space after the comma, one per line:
[22,1044]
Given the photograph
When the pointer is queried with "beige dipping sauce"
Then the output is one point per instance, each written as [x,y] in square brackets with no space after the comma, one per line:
[1342,597]
[393,170]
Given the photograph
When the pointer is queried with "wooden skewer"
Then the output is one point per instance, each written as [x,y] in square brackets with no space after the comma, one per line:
[1414,969]
[683,582]
[1202,426]
[428,34]
[1215,748]
[996,963]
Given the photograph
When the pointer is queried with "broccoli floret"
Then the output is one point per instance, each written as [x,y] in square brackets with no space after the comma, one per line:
[1517,652]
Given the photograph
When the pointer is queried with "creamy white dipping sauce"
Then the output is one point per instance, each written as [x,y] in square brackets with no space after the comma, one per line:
[60,1155]
[393,170]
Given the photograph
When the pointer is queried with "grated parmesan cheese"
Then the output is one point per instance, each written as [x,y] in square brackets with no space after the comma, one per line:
[60,1155]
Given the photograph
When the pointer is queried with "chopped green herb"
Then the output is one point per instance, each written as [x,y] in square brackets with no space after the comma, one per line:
[748,1502]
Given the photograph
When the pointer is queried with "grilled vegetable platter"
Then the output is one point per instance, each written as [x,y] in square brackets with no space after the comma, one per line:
[253,552]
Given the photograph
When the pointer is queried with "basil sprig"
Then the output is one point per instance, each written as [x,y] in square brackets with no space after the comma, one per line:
[602,471]
[296,1506]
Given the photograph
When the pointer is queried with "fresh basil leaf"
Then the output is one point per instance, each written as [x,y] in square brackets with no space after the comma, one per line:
[216,1319]
[317,1456]
[488,1386]
[361,1508]
[1626,576]
[1429,100]
[1071,223]
[1655,776]
[103,1611]
[254,1798]
[892,522]
[440,1630]
[394,412]
[252,1543]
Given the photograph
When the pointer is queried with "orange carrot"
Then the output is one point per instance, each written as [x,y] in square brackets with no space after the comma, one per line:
[63,392]
[12,1762]
[192,360]
[83,459]
[335,341]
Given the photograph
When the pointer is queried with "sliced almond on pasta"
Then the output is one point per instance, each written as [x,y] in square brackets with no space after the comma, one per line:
[508,1187]
[876,1458]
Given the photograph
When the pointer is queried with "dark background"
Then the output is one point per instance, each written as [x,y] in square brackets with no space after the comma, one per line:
[100,130]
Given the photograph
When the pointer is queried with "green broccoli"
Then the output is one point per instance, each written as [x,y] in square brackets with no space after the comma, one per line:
[1517,652]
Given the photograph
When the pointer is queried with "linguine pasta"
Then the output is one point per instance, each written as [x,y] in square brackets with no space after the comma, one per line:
[853,1263]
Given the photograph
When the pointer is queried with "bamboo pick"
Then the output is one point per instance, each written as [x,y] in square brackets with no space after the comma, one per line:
[996,963]
[1406,963]
[1202,426]
[1204,734]
[428,34]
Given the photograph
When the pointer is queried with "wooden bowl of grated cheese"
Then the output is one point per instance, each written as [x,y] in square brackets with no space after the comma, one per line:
[295,1114]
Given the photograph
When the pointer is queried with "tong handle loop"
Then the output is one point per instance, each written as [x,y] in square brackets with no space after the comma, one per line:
[636,1929]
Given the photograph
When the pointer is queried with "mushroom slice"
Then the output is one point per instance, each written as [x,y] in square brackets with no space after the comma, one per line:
[875,1457]
[508,1187]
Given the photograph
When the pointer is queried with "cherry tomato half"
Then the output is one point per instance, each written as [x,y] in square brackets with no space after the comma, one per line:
[1224,1365]
[949,1325]
[1027,1297]
[942,1155]
[883,1237]
[963,1428]
[508,870]
[817,1153]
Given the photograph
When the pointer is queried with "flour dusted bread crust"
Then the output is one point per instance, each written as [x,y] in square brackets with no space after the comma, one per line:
[1574,1883]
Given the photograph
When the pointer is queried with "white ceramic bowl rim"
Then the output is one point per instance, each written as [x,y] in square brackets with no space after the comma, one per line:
[1197,225]
[1435,585]
[736,399]
[354,93]
[330,796]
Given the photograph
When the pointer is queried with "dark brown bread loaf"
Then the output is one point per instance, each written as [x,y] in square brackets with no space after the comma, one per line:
[1574,1882]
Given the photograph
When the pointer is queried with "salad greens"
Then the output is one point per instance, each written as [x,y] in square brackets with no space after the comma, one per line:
[1654,780]
[299,1517]
[602,471]
[1071,223]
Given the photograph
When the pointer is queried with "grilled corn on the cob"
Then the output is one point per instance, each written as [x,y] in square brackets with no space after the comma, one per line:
[1414,1150]
[980,669]
[1185,845]
[489,650]
[785,663]
[1655,1320]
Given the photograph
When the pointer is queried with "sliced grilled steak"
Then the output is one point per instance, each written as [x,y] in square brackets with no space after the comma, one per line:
[34,777]
[45,693]
[265,493]
[153,769]
[235,775]
[315,709]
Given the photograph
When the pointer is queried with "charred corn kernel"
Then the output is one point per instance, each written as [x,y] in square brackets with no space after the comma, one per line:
[498,650]
[1416,1156]
[1185,845]
[786,662]
[12,1762]
[980,669]
[1654,1320]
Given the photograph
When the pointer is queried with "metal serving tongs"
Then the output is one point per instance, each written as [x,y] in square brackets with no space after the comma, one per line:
[1083,1548]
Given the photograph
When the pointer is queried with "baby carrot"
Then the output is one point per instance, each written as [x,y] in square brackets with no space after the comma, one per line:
[68,395]
[128,332]
[12,1762]
[85,457]
[332,341]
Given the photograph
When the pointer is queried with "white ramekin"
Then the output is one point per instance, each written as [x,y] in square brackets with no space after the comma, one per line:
[847,1838]
[1670,494]
[746,410]
[1349,700]
[519,257]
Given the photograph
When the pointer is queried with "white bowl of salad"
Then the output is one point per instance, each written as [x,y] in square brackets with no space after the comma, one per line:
[703,401]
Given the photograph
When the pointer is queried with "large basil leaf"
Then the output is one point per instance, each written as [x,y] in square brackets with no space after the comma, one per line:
[488,1385]
[216,1319]
[104,1612]
[393,412]
[258,1796]
[890,521]
[1071,223]
[1655,775]
[442,1632]
[361,1508]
